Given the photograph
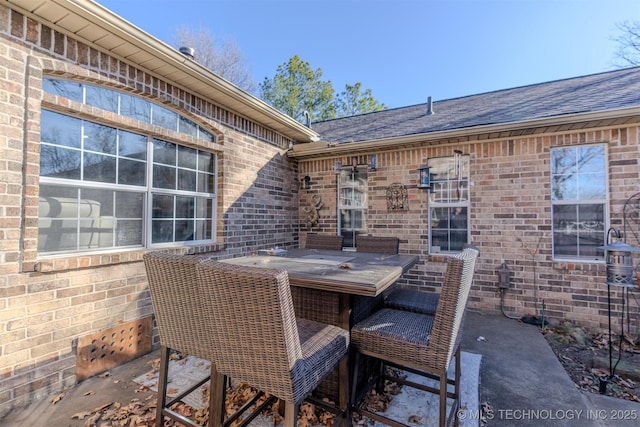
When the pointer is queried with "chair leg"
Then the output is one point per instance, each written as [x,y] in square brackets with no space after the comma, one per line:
[217,387]
[162,385]
[343,392]
[291,414]
[457,386]
[443,399]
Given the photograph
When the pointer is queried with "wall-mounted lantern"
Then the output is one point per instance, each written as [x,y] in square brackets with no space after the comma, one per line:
[306,182]
[372,163]
[425,177]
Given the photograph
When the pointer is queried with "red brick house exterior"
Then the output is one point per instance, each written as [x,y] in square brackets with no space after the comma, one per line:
[48,302]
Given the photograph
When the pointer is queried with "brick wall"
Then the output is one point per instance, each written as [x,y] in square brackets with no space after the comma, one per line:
[510,216]
[46,304]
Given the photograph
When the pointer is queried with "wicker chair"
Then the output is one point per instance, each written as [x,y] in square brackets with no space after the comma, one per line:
[180,319]
[401,298]
[260,342]
[377,244]
[324,241]
[420,343]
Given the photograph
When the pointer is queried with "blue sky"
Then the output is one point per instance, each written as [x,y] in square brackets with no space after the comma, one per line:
[405,50]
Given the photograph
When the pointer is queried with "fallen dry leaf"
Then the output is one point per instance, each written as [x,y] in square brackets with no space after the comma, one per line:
[89,393]
[80,415]
[55,399]
[415,419]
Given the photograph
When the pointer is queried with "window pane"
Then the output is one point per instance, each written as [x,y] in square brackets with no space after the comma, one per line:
[136,108]
[129,233]
[99,168]
[58,219]
[164,177]
[164,152]
[57,162]
[164,117]
[131,172]
[132,145]
[578,230]
[185,230]
[129,204]
[161,231]
[65,88]
[186,180]
[185,207]
[187,157]
[206,183]
[100,138]
[188,127]
[163,206]
[203,230]
[205,135]
[102,98]
[206,162]
[578,173]
[449,228]
[60,130]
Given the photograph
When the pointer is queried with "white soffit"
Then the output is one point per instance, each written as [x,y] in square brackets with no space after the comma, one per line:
[100,28]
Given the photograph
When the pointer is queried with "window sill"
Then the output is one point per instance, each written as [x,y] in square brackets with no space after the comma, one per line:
[80,261]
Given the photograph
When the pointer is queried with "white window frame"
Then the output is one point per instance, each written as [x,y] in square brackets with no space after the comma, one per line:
[353,181]
[449,191]
[147,190]
[589,229]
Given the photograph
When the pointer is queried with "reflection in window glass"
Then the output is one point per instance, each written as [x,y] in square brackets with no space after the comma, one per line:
[448,203]
[64,88]
[126,105]
[95,183]
[105,99]
[352,208]
[136,108]
[100,138]
[164,118]
[578,194]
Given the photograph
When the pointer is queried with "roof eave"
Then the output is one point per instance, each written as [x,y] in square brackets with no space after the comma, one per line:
[562,123]
[205,83]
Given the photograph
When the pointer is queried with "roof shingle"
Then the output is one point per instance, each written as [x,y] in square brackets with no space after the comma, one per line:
[593,93]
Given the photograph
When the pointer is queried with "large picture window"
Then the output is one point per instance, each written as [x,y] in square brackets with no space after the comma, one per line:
[579,200]
[448,203]
[106,188]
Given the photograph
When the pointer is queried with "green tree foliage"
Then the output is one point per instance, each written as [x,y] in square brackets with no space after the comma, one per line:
[353,100]
[628,39]
[297,88]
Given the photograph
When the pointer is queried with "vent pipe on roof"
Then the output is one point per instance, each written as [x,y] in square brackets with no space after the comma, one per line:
[429,106]
[189,52]
[307,117]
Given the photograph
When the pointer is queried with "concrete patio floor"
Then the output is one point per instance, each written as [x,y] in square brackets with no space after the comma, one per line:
[521,381]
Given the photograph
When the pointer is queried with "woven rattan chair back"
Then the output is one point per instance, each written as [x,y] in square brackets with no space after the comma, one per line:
[258,338]
[418,342]
[179,314]
[331,242]
[377,244]
[445,335]
[255,325]
[173,284]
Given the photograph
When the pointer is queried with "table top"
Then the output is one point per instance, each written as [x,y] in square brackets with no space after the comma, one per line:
[356,273]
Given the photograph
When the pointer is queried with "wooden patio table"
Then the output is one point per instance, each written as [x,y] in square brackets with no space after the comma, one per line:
[335,287]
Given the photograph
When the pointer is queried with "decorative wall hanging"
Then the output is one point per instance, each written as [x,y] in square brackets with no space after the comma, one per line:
[313,212]
[397,198]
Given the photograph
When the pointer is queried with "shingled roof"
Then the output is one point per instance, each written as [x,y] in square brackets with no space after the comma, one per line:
[593,93]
